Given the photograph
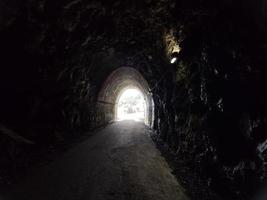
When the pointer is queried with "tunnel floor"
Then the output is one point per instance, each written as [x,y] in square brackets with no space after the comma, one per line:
[118,162]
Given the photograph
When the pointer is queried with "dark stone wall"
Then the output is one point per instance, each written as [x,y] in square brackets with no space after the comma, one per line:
[210,105]
[212,114]
[104,114]
[56,55]
[54,58]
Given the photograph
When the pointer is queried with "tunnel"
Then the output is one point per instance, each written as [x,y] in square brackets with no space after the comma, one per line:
[196,129]
[119,81]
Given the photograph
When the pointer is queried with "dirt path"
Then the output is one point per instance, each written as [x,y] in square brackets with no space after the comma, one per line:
[119,162]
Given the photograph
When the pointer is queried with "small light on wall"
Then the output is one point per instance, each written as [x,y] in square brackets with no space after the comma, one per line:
[174,57]
[173,60]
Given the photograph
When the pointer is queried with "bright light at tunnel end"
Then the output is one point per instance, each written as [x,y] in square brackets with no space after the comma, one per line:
[131,106]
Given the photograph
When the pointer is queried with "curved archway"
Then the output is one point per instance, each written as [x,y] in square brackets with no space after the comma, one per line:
[117,82]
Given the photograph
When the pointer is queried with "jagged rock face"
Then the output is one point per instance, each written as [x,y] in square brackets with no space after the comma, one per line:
[209,106]
[55,56]
[63,51]
[215,116]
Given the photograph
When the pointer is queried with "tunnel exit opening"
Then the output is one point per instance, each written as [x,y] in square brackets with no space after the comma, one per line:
[131,105]
[125,94]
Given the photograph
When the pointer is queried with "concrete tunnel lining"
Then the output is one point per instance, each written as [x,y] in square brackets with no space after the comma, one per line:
[118,81]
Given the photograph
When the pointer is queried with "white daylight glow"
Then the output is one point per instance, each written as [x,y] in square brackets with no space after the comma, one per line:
[173,60]
[131,105]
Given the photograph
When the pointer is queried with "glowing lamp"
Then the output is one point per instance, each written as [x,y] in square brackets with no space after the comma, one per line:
[174,57]
[173,60]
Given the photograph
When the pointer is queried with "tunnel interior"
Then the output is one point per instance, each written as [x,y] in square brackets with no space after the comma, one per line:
[118,82]
[200,64]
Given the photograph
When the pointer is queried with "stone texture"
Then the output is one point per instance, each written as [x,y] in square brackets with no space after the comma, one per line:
[209,106]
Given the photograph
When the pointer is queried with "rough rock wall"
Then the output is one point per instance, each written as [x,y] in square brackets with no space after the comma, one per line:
[215,116]
[55,55]
[209,106]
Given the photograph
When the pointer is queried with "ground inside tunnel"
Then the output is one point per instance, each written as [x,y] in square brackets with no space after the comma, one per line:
[117,162]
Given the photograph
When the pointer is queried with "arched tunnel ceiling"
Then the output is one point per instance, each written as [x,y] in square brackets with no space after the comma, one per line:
[121,78]
[210,106]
